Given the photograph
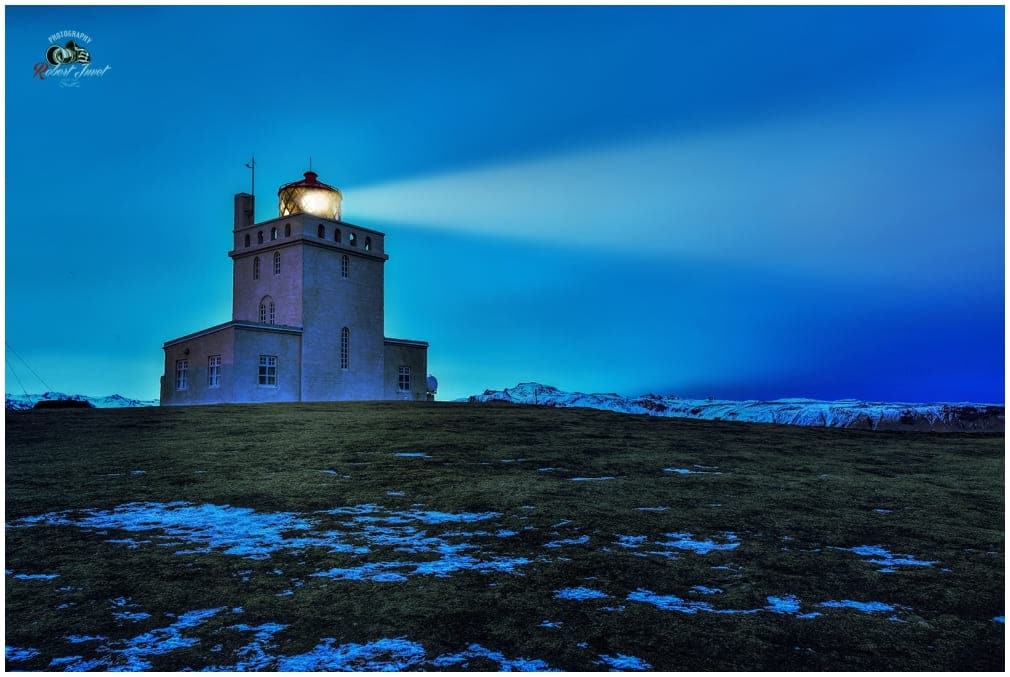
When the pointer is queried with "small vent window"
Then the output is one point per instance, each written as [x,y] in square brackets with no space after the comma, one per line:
[321,231]
[247,239]
[287,230]
[352,239]
[259,237]
[345,347]
[336,235]
[273,233]
[368,244]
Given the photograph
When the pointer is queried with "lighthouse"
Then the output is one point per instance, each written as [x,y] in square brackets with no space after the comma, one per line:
[307,314]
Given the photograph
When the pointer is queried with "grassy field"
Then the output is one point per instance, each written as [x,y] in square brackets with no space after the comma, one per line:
[483,537]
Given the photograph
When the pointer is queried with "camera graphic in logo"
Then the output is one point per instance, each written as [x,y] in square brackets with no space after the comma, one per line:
[71,53]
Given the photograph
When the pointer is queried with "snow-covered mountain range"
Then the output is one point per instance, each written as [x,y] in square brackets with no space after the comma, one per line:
[938,417]
[22,402]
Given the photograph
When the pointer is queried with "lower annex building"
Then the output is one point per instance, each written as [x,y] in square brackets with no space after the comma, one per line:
[307,314]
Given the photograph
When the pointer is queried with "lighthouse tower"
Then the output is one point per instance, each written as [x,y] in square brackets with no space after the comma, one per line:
[307,313]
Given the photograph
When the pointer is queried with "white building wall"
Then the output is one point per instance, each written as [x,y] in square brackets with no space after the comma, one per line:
[285,289]
[249,345]
[403,354]
[332,302]
[196,352]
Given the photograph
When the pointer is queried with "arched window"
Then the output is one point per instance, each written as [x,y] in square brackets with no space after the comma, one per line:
[368,244]
[259,237]
[321,231]
[287,230]
[345,263]
[336,235]
[273,233]
[247,239]
[352,239]
[268,311]
[256,268]
[277,263]
[345,347]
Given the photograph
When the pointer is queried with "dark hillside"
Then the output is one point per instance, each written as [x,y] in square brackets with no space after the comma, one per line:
[376,535]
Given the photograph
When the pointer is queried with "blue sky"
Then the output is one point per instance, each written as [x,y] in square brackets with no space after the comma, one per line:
[714,201]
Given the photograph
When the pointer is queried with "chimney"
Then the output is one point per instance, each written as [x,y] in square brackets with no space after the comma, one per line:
[245,214]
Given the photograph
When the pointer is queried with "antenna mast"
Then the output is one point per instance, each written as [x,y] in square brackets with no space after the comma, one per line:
[252,165]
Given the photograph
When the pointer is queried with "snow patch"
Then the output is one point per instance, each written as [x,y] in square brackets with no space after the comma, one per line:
[581,540]
[36,577]
[669,602]
[865,607]
[704,590]
[253,656]
[16,654]
[878,554]
[688,471]
[504,664]
[622,663]
[788,604]
[245,533]
[630,542]
[383,655]
[131,655]
[580,593]
[685,541]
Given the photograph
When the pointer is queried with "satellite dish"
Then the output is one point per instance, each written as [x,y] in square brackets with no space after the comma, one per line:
[432,384]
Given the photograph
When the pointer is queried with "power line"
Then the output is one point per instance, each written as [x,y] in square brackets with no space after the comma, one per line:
[18,379]
[48,387]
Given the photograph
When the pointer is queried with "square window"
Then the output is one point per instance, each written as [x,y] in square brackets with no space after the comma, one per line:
[268,370]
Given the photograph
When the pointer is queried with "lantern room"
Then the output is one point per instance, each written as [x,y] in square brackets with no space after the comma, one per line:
[310,196]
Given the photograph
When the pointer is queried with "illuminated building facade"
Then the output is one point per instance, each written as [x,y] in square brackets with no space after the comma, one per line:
[307,314]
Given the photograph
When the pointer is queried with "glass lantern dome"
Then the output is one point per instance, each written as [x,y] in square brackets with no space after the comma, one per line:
[310,196]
